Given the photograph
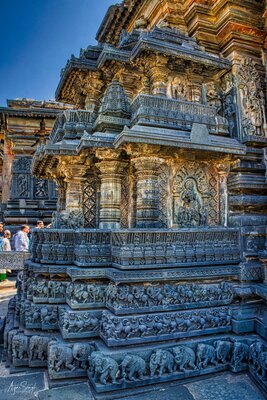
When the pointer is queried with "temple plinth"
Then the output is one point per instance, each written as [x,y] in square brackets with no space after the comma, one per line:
[154,269]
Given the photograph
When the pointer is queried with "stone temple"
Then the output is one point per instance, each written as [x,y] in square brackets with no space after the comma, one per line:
[155,268]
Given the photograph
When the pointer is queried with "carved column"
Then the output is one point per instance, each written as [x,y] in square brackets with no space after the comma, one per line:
[74,194]
[110,198]
[61,194]
[74,179]
[7,171]
[147,187]
[93,88]
[196,90]
[159,75]
[223,172]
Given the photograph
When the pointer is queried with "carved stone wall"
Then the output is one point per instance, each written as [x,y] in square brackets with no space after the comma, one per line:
[154,270]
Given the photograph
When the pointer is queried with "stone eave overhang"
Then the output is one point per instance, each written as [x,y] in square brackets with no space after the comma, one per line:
[30,113]
[113,53]
[115,20]
[65,147]
[96,140]
[46,155]
[179,139]
[75,63]
[178,51]
[107,21]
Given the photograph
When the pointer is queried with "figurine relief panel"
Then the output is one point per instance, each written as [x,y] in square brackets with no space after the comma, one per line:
[195,195]
[222,96]
[40,188]
[252,99]
[24,186]
[178,88]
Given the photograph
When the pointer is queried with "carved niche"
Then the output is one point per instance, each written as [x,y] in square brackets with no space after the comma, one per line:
[195,195]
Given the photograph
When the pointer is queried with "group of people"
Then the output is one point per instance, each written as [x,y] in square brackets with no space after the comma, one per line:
[20,241]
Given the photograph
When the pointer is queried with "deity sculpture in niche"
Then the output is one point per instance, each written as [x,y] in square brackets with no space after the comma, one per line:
[213,97]
[192,202]
[189,210]
[177,89]
[229,112]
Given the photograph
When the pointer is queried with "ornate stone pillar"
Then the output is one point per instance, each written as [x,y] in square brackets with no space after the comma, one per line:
[223,172]
[196,90]
[159,75]
[147,187]
[93,88]
[110,198]
[61,194]
[73,187]
[74,194]
[7,171]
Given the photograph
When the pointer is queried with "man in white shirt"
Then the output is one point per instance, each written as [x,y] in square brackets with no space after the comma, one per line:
[22,240]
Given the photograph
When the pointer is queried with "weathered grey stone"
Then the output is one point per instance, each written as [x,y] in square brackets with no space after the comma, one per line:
[79,391]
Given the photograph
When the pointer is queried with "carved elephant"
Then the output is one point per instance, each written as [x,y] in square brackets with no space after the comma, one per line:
[161,361]
[133,366]
[223,350]
[81,353]
[262,364]
[20,346]
[103,367]
[240,353]
[60,357]
[38,348]
[184,357]
[206,354]
[255,351]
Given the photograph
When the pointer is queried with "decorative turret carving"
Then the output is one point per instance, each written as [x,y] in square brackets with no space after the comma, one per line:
[114,111]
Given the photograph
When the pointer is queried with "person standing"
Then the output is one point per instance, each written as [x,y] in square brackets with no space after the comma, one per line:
[1,234]
[5,246]
[39,225]
[22,240]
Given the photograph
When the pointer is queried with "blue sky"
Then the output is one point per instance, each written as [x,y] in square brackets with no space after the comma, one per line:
[36,39]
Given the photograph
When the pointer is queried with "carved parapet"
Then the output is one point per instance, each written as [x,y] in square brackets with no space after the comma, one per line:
[71,124]
[148,249]
[53,246]
[176,114]
[92,247]
[128,249]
